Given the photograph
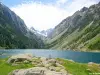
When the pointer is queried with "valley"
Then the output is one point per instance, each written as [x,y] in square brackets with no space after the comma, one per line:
[70,48]
[79,32]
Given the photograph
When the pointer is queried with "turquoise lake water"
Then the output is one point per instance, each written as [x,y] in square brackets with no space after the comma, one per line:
[82,57]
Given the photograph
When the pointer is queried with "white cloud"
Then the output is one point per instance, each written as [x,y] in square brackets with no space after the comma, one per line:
[78,4]
[44,16]
[39,15]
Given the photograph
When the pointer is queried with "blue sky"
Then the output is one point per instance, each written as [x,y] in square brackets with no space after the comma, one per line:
[45,14]
[11,3]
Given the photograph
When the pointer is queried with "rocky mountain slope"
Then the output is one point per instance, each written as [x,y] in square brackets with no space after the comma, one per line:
[81,31]
[14,33]
[47,32]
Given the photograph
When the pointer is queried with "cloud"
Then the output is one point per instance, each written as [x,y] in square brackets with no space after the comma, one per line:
[78,4]
[40,16]
[44,16]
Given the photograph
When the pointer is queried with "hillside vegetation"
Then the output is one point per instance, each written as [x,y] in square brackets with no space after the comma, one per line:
[14,33]
[81,31]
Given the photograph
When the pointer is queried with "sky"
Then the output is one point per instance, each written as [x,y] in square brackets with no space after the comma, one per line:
[45,14]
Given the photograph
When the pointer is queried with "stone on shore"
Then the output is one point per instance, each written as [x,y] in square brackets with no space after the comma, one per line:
[36,71]
[43,66]
[20,58]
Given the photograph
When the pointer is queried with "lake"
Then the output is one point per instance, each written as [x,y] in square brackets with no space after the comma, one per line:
[82,57]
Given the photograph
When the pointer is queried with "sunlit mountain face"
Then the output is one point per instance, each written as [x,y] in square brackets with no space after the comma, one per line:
[81,31]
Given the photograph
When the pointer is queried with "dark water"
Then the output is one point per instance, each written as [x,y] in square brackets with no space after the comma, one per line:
[83,57]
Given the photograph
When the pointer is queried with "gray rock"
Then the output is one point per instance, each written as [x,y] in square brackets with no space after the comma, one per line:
[20,58]
[36,71]
[43,66]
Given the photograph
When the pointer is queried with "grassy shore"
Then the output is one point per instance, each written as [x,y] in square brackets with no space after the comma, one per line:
[6,68]
[72,67]
[80,68]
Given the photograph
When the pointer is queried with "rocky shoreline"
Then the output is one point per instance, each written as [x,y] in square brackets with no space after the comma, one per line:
[43,66]
[26,64]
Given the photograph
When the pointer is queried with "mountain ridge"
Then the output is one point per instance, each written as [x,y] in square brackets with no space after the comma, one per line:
[14,33]
[77,32]
[81,31]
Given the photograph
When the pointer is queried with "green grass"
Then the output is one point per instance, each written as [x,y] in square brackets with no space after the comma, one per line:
[79,68]
[6,68]
[73,68]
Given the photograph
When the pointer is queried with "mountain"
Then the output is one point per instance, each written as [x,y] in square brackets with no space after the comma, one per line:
[81,31]
[47,32]
[38,34]
[44,34]
[14,33]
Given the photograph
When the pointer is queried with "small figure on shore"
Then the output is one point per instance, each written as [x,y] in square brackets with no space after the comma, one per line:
[50,56]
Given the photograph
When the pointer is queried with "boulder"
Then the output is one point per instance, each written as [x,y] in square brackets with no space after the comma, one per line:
[20,58]
[36,71]
[52,61]
[71,60]
[52,68]
[90,63]
[43,66]
[44,60]
[36,61]
[47,61]
[55,73]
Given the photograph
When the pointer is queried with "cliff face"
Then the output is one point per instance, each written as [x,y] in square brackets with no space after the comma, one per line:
[14,33]
[9,16]
[81,31]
